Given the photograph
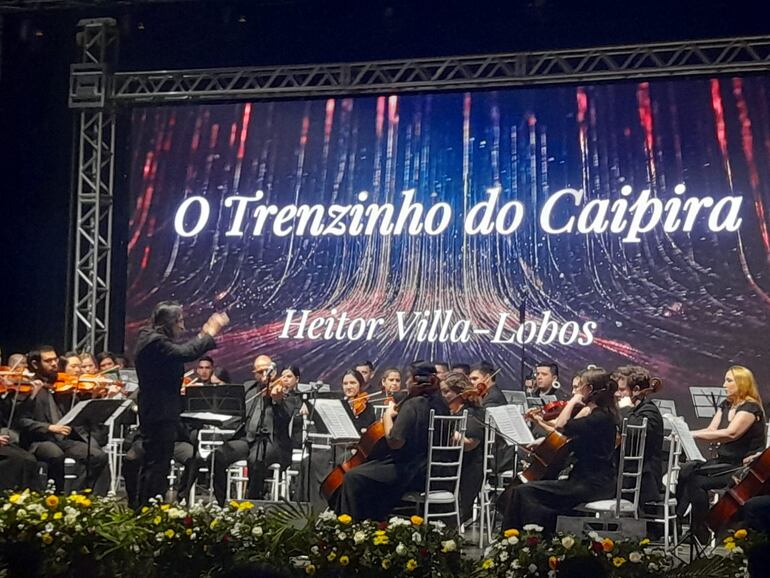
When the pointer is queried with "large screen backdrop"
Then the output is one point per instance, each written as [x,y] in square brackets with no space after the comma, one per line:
[496,202]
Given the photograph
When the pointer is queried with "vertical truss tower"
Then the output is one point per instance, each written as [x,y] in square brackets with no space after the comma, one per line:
[98,41]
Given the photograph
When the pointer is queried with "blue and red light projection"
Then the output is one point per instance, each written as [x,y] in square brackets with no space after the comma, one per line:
[631,218]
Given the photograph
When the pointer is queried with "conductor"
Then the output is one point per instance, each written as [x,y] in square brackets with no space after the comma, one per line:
[160,363]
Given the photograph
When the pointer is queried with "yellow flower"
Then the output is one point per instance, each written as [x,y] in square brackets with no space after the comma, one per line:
[309,569]
[618,561]
[57,516]
[188,531]
[728,540]
[644,542]
[608,545]
[553,562]
[416,520]
[85,502]
[165,507]
[332,555]
[511,532]
[487,564]
[344,560]
[411,565]
[385,564]
[344,519]
[47,538]
[170,533]
[156,520]
[730,546]
[52,501]
[145,509]
[379,532]
[214,523]
[14,498]
[234,505]
[43,516]
[245,506]
[377,540]
[741,534]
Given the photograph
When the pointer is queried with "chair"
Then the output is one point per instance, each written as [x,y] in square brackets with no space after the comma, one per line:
[209,439]
[237,474]
[445,459]
[483,507]
[668,505]
[626,501]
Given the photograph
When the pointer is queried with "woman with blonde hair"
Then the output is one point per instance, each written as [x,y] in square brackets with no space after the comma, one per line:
[738,426]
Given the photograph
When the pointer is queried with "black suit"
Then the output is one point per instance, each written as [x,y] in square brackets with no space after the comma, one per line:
[160,369]
[652,470]
[35,416]
[18,467]
[494,397]
[262,439]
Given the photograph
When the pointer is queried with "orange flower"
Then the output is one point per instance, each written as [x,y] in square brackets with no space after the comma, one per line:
[553,562]
[607,545]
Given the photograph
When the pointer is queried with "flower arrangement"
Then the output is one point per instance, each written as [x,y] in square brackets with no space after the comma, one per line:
[408,547]
[529,553]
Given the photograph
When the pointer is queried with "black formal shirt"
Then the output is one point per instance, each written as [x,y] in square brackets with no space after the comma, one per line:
[752,441]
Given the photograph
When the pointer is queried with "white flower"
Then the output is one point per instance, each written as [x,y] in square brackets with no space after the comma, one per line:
[416,538]
[594,536]
[568,542]
[525,549]
[737,551]
[341,536]
[635,557]
[449,546]
[503,556]
[7,506]
[516,564]
[438,524]
[314,550]
[176,513]
[532,568]
[49,528]
[359,537]
[652,566]
[513,540]
[21,514]
[396,521]
[400,549]
[327,516]
[532,528]
[256,531]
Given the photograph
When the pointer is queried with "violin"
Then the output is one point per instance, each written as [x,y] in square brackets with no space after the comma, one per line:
[358,403]
[15,380]
[95,384]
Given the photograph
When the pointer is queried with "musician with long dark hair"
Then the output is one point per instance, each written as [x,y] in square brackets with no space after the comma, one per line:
[160,363]
[594,471]
[739,427]
[373,489]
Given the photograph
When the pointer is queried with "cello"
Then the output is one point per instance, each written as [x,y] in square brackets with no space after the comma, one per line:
[754,482]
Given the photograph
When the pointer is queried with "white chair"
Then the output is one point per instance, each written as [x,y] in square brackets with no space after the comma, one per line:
[209,439]
[237,475]
[626,501]
[668,505]
[482,508]
[445,458]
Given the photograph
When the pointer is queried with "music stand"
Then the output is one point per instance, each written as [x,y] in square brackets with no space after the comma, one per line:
[706,400]
[226,399]
[87,414]
[666,406]
[518,398]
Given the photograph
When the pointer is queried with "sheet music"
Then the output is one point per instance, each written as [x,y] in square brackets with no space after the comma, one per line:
[685,436]
[73,413]
[207,416]
[336,419]
[510,421]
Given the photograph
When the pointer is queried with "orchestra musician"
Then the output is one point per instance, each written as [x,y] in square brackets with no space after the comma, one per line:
[483,375]
[373,489]
[107,361]
[290,377]
[263,438]
[47,440]
[739,427]
[634,383]
[454,388]
[88,363]
[442,368]
[593,447]
[18,467]
[462,368]
[204,372]
[366,369]
[547,381]
[390,381]
[160,363]
[356,400]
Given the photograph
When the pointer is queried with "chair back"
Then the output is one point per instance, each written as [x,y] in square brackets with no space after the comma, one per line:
[445,457]
[672,472]
[666,406]
[633,438]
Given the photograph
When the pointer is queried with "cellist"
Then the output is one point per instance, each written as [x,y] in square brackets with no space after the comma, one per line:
[594,471]
[373,489]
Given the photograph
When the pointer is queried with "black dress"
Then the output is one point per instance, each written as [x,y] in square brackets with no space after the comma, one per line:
[697,478]
[593,476]
[373,489]
[472,474]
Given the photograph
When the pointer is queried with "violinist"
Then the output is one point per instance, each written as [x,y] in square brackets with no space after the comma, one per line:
[160,360]
[290,377]
[547,381]
[483,376]
[356,400]
[593,475]
[263,438]
[461,396]
[373,489]
[107,361]
[18,467]
[390,382]
[88,363]
[71,364]
[204,372]
[366,369]
[634,385]
[739,427]
[442,368]
[50,442]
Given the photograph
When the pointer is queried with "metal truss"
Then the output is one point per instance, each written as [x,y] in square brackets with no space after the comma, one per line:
[724,56]
[98,39]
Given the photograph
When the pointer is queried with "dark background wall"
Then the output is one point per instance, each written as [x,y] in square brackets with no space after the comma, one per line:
[37,128]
